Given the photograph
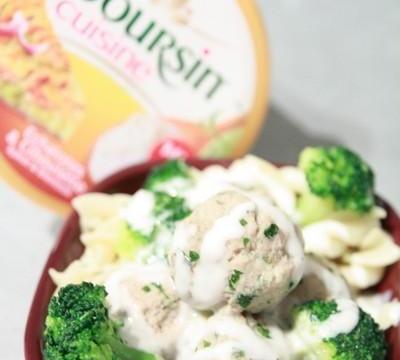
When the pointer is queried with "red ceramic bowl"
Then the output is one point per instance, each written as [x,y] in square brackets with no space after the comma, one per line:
[69,248]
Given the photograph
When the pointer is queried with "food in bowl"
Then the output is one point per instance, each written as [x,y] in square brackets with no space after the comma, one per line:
[246,262]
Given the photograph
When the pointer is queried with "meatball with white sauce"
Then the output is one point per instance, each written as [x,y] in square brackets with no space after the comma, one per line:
[226,336]
[142,297]
[237,250]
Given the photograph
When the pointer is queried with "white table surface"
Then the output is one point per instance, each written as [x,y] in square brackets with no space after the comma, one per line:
[335,80]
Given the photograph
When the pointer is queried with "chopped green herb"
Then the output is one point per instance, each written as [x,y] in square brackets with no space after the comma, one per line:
[160,288]
[263,331]
[244,300]
[243,222]
[236,274]
[146,288]
[192,257]
[271,231]
[206,344]
[267,259]
[170,303]
[246,241]
[170,209]
[239,354]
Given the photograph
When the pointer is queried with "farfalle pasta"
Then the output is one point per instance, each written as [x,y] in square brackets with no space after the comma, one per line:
[360,247]
[95,264]
[95,208]
[100,228]
[381,307]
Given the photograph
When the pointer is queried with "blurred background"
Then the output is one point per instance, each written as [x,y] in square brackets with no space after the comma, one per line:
[335,80]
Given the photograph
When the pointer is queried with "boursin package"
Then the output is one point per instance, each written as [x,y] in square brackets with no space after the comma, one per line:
[88,87]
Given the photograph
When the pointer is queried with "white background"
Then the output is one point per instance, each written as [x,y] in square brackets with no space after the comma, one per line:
[335,80]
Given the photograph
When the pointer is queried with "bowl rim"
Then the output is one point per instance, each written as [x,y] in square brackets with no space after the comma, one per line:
[39,304]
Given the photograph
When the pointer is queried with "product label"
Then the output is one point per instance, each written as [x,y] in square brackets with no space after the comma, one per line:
[88,87]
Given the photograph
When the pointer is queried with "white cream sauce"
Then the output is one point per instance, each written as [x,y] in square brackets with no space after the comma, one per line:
[224,229]
[342,322]
[334,283]
[210,182]
[139,212]
[229,334]
[176,186]
[182,271]
[157,250]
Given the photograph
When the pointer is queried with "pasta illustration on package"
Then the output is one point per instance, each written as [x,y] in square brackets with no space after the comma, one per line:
[88,88]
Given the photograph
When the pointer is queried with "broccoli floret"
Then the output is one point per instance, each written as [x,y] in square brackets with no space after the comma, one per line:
[78,327]
[165,182]
[338,180]
[125,240]
[170,177]
[170,209]
[164,212]
[130,241]
[365,341]
[320,310]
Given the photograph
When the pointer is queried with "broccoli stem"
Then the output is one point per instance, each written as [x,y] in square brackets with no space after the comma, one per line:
[124,352]
[313,208]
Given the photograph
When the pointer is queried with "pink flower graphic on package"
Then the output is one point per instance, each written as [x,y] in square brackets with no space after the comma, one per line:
[17,27]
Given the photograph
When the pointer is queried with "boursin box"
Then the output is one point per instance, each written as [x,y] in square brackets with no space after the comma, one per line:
[88,87]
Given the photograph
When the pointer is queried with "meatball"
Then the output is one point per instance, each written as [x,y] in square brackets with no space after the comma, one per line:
[227,336]
[143,299]
[236,249]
